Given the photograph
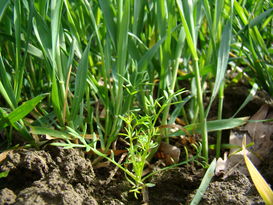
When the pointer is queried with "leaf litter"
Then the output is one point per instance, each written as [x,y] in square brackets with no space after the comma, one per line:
[258,133]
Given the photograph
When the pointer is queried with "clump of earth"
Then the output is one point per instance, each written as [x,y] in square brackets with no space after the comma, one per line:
[58,176]
[64,176]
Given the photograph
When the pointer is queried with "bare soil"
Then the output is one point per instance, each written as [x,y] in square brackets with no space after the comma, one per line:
[61,176]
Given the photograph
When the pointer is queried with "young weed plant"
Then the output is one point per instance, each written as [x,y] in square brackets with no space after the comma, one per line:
[141,134]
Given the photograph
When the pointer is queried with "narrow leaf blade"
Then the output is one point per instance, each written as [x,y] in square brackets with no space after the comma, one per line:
[47,131]
[80,84]
[21,111]
[204,184]
[262,187]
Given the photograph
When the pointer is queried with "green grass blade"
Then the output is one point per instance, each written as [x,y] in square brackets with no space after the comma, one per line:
[147,57]
[207,10]
[161,17]
[17,126]
[4,174]
[123,26]
[58,89]
[261,18]
[35,51]
[178,53]
[223,53]
[26,42]
[80,83]
[122,45]
[55,97]
[173,72]
[222,61]
[3,6]
[189,36]
[248,99]
[219,6]
[214,125]
[5,95]
[225,124]
[47,131]
[241,12]
[56,9]
[219,117]
[19,68]
[94,24]
[6,90]
[42,32]
[139,8]
[109,19]
[73,28]
[204,184]
[189,17]
[43,7]
[21,111]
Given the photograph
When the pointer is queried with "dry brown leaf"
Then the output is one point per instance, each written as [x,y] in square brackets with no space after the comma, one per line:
[258,132]
[254,128]
[221,165]
[4,154]
[261,132]
[102,164]
[174,128]
[90,136]
[49,137]
[180,121]
[170,154]
[86,136]
[113,172]
[236,159]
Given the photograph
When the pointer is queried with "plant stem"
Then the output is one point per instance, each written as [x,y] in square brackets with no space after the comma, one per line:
[174,74]
[220,109]
[202,117]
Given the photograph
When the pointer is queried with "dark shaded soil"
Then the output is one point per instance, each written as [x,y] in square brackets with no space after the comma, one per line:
[236,189]
[174,186]
[58,176]
[61,176]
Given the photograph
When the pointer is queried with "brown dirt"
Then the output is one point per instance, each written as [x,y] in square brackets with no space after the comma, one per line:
[61,176]
[58,176]
[175,185]
[237,189]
